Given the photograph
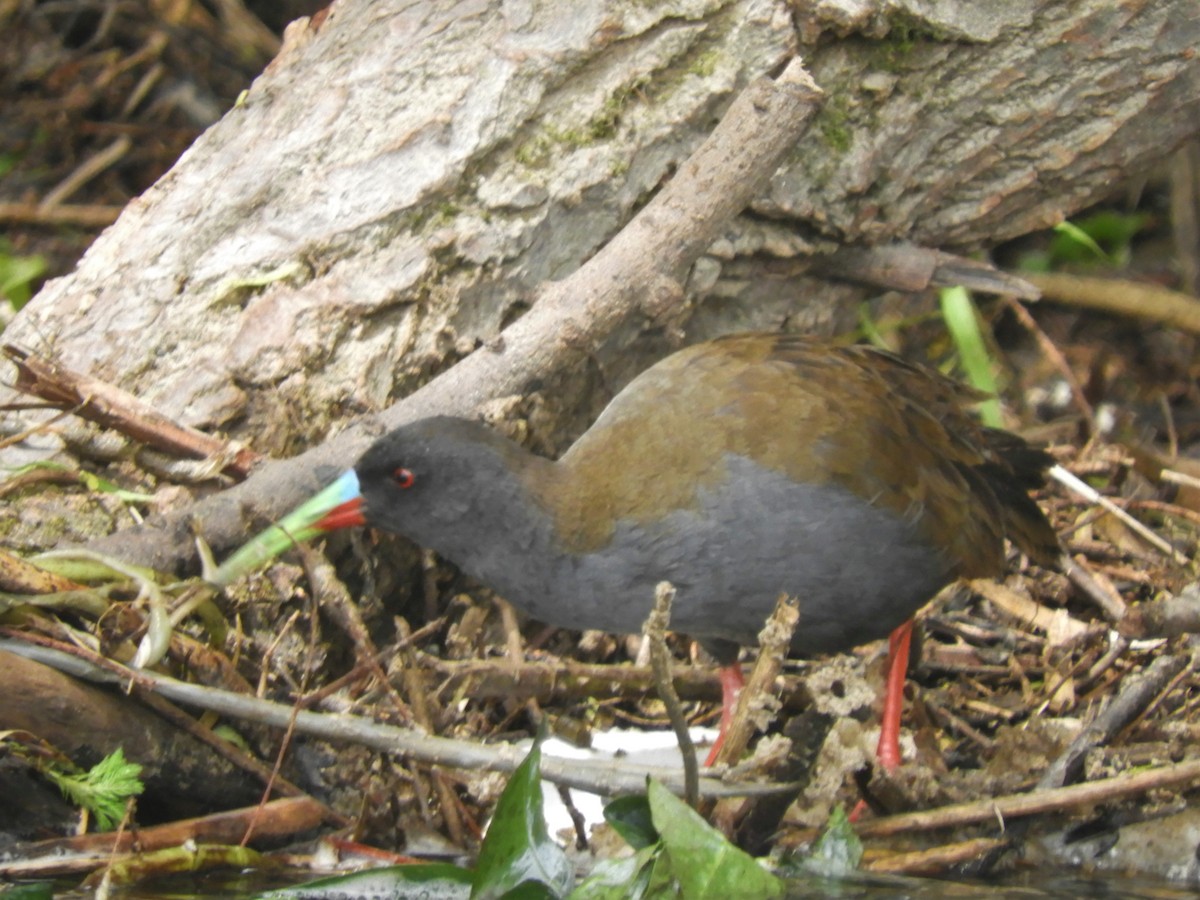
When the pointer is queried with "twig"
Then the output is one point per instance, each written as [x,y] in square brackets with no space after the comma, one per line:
[83,215]
[756,707]
[566,679]
[1027,612]
[1096,589]
[655,631]
[1181,478]
[58,857]
[1087,492]
[1183,172]
[935,860]
[600,777]
[331,595]
[1056,358]
[283,748]
[114,408]
[642,268]
[86,171]
[1035,802]
[774,641]
[951,722]
[416,688]
[907,267]
[1170,509]
[1166,617]
[1135,695]
[1121,297]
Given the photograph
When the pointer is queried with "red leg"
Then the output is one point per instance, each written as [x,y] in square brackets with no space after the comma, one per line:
[731,685]
[888,751]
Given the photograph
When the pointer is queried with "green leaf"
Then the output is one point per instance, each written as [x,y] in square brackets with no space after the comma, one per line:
[962,321]
[624,879]
[868,329]
[89,480]
[42,890]
[435,881]
[630,818]
[104,789]
[17,275]
[702,861]
[1105,236]
[838,851]
[1073,233]
[517,848]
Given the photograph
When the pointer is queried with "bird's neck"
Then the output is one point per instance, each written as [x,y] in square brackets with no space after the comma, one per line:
[494,519]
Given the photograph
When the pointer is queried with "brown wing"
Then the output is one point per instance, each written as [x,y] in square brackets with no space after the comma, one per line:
[956,461]
[892,432]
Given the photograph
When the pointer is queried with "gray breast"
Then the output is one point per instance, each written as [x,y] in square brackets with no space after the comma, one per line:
[857,570]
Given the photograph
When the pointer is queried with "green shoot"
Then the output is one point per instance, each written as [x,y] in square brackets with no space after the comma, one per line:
[962,321]
[103,790]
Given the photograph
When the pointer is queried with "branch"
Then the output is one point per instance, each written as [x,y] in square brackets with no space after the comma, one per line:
[642,268]
[598,776]
[110,407]
[1119,296]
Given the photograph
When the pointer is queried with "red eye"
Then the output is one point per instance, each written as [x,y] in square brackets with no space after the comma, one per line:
[404,478]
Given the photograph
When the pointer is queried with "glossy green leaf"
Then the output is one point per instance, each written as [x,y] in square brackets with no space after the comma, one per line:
[630,818]
[518,848]
[622,879]
[705,865]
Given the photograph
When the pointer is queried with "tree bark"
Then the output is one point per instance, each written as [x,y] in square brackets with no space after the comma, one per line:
[400,181]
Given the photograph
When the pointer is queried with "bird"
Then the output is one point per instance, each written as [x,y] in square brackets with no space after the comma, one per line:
[737,469]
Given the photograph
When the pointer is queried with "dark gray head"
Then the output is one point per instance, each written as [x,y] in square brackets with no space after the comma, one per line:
[449,484]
